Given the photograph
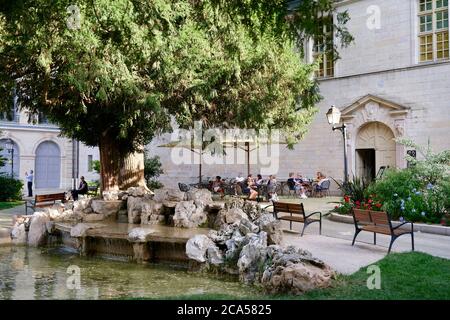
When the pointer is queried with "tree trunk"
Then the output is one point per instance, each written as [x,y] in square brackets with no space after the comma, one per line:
[110,160]
[132,171]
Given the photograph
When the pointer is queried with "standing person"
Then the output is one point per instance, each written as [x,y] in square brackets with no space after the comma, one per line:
[29,178]
[82,189]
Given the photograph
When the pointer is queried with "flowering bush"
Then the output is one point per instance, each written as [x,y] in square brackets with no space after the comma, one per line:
[348,204]
[408,194]
[420,193]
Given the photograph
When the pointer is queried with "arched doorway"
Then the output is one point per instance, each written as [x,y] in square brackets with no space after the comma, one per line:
[48,166]
[375,148]
[7,156]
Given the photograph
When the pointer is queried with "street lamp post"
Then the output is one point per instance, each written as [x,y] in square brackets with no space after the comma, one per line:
[10,148]
[334,118]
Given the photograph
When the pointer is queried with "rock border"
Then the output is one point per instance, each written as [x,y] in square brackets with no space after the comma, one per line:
[418,227]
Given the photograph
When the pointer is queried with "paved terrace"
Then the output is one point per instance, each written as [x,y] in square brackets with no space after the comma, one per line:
[333,246]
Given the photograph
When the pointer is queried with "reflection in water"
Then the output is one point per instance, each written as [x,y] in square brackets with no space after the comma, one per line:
[30,273]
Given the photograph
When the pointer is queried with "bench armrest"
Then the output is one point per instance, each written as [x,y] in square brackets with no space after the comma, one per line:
[402,224]
[30,203]
[270,205]
[311,214]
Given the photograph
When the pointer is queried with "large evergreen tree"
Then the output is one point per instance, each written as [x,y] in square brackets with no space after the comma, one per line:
[110,73]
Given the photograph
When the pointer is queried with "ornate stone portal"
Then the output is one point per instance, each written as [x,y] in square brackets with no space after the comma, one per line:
[372,124]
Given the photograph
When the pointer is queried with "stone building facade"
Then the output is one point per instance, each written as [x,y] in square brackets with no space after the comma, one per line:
[392,82]
[57,162]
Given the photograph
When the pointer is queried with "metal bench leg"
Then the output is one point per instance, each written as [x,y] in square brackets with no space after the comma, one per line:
[290,225]
[320,226]
[374,238]
[390,245]
[357,231]
[304,227]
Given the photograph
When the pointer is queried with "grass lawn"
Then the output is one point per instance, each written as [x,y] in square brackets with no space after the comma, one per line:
[10,204]
[412,275]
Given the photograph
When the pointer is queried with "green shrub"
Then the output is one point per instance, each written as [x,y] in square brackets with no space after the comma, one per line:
[152,170]
[419,193]
[10,189]
[407,194]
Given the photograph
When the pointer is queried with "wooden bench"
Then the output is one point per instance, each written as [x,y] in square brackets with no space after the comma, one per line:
[379,222]
[44,200]
[296,214]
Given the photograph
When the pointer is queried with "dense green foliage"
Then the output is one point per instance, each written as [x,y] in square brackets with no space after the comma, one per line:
[113,79]
[419,193]
[130,64]
[10,189]
[152,170]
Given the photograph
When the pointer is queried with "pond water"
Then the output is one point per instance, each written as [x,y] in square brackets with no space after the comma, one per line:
[52,273]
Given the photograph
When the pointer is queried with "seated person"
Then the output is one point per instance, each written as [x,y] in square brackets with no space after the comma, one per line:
[239,184]
[271,188]
[320,179]
[259,180]
[217,186]
[250,188]
[82,189]
[296,184]
[300,185]
[291,182]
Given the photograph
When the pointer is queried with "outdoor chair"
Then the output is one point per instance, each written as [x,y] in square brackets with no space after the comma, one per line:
[322,190]
[183,187]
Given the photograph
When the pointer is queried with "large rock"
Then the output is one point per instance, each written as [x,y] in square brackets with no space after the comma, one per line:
[197,246]
[252,258]
[18,233]
[246,226]
[201,197]
[106,208]
[134,207]
[138,191]
[151,212]
[226,232]
[188,215]
[272,226]
[294,271]
[253,210]
[81,205]
[67,215]
[168,194]
[214,255]
[38,231]
[139,234]
[80,229]
[229,216]
[111,195]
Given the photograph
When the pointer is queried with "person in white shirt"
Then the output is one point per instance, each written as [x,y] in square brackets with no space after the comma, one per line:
[29,178]
[239,184]
[240,178]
